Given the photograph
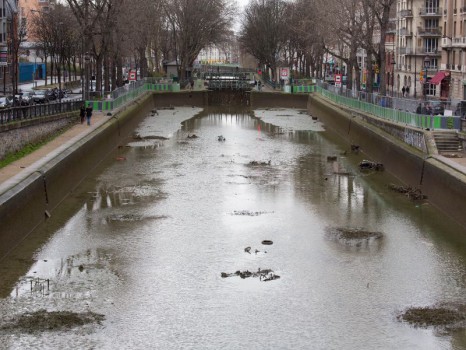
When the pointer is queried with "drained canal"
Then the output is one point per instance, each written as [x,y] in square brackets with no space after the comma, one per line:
[269,237]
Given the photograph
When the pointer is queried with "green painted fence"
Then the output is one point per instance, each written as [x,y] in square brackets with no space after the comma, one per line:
[394,115]
[113,103]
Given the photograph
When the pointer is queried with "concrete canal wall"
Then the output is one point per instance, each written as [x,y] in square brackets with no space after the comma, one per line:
[434,175]
[26,205]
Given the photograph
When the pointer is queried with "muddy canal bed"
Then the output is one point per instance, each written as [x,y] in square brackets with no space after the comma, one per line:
[163,247]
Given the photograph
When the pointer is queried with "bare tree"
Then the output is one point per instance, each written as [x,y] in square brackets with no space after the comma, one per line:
[381,10]
[195,25]
[264,33]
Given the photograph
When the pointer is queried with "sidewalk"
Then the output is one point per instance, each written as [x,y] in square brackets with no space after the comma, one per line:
[17,171]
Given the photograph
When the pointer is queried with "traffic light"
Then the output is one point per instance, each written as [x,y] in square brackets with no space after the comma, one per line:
[421,76]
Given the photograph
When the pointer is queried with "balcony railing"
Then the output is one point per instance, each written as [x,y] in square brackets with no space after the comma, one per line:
[406,13]
[433,31]
[405,32]
[430,11]
[406,50]
[461,42]
[430,51]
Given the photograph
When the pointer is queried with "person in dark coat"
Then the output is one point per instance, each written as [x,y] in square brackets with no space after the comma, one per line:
[82,113]
[89,114]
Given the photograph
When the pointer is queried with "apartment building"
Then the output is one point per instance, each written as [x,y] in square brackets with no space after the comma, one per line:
[8,38]
[418,48]
[454,48]
[431,47]
[28,9]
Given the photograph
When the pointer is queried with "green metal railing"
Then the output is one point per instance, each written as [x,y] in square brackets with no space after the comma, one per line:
[394,115]
[131,92]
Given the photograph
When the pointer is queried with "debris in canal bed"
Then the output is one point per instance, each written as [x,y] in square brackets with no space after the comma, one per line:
[249,213]
[221,138]
[355,148]
[353,235]
[193,136]
[264,275]
[42,321]
[120,158]
[267,242]
[414,194]
[369,165]
[149,137]
[331,158]
[132,218]
[256,163]
[342,173]
[435,316]
[248,250]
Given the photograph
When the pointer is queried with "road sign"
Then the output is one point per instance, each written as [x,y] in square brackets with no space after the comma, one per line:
[3,56]
[338,80]
[284,73]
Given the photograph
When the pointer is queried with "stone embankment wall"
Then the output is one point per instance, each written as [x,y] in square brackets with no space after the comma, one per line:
[443,184]
[18,135]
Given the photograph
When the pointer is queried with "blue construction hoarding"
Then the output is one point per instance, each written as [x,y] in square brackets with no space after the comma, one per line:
[30,71]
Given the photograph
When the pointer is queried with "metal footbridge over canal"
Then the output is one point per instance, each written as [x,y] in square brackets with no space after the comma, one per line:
[229,79]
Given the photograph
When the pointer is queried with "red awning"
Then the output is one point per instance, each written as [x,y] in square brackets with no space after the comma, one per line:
[437,78]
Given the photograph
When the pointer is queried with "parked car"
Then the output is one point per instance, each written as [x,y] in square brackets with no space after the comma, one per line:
[22,99]
[27,98]
[40,96]
[5,102]
[461,109]
[431,107]
[438,107]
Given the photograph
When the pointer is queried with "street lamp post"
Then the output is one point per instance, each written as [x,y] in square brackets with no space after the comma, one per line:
[426,66]
[34,73]
[87,58]
[393,63]
[415,66]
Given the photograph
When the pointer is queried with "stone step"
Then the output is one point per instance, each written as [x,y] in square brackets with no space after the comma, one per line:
[447,142]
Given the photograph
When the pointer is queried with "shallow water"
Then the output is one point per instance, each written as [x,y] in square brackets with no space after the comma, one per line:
[145,241]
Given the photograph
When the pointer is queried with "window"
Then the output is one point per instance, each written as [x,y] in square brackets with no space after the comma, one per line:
[430,45]
[430,89]
[431,23]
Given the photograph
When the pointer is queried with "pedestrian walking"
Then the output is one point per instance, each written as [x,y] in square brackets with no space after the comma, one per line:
[89,114]
[82,113]
[403,90]
[407,90]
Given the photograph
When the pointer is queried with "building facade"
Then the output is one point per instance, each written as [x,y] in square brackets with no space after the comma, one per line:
[418,46]
[431,48]
[454,49]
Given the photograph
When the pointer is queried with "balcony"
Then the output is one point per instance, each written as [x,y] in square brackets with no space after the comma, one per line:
[458,42]
[430,12]
[429,52]
[405,32]
[405,50]
[406,13]
[446,42]
[429,32]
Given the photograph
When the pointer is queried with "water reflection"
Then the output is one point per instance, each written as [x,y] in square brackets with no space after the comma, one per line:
[153,232]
